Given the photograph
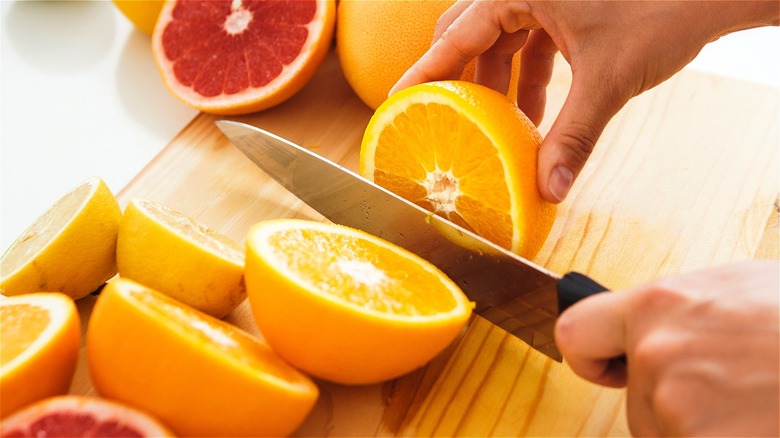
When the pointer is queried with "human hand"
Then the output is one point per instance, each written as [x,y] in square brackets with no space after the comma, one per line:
[703,350]
[616,51]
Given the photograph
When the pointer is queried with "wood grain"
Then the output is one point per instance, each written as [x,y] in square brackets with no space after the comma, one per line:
[684,177]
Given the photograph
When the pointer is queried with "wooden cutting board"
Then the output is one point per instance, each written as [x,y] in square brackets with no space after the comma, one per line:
[686,176]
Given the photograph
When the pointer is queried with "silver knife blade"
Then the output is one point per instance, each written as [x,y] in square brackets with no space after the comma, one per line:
[509,291]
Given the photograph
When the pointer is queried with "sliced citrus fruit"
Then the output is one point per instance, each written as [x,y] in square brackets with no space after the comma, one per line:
[465,152]
[199,375]
[377,41]
[71,248]
[237,57]
[177,255]
[39,344]
[142,13]
[77,416]
[346,306]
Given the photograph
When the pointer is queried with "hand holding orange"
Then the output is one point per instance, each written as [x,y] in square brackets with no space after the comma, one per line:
[465,152]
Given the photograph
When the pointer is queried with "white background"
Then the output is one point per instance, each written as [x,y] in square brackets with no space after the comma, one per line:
[80,96]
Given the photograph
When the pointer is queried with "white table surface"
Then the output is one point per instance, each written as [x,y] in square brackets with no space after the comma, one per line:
[80,96]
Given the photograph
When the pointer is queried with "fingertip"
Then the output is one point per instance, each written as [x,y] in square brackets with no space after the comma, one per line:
[562,156]
[396,88]
[555,179]
[406,80]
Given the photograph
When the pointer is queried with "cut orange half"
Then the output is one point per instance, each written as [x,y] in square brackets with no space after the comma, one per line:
[237,57]
[199,375]
[346,306]
[39,344]
[465,152]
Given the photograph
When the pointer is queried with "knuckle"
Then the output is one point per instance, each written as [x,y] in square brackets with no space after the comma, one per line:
[651,353]
[672,407]
[658,297]
[579,139]
[460,52]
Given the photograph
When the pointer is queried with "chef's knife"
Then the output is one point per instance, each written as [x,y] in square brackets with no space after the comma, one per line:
[511,292]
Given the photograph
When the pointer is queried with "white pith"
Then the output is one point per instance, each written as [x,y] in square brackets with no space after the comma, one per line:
[442,190]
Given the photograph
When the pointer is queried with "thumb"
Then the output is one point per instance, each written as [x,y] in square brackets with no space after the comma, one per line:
[572,137]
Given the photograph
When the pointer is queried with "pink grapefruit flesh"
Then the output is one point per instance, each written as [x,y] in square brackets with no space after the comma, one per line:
[75,416]
[234,57]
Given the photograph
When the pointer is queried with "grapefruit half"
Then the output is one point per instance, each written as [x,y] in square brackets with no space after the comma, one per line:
[237,57]
[76,416]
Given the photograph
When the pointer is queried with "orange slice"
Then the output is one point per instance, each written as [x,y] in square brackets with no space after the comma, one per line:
[74,416]
[237,57]
[465,152]
[197,374]
[346,306]
[39,345]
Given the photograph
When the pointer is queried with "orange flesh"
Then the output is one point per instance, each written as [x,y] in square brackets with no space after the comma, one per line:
[218,335]
[21,326]
[361,273]
[418,161]
[193,230]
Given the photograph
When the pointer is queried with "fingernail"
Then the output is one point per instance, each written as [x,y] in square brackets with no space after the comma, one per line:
[560,182]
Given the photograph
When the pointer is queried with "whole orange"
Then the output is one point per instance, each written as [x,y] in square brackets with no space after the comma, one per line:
[142,13]
[377,41]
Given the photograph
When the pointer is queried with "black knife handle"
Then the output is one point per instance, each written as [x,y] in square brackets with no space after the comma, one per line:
[574,287]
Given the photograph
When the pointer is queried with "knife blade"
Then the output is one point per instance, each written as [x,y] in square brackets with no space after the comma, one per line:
[511,292]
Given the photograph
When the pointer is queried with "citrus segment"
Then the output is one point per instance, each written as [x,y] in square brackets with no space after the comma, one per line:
[346,306]
[76,416]
[236,57]
[377,41]
[466,153]
[71,248]
[199,375]
[174,254]
[39,343]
